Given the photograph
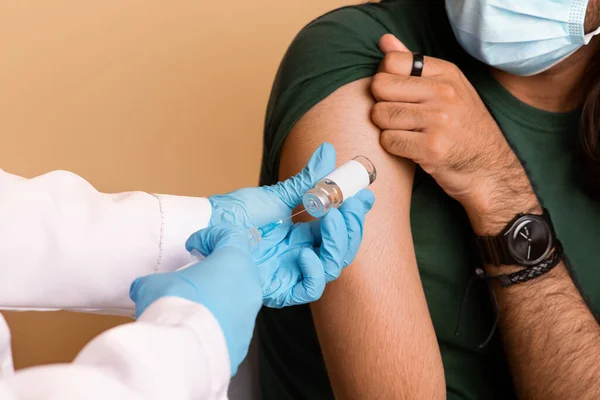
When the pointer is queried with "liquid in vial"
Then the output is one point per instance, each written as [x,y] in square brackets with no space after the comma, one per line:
[341,184]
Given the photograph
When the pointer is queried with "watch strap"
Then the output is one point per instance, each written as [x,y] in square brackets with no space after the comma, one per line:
[493,250]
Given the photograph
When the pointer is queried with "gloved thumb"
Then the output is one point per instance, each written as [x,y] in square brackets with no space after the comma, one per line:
[389,43]
[321,163]
[217,237]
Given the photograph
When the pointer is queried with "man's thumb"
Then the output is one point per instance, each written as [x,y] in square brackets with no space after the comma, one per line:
[389,43]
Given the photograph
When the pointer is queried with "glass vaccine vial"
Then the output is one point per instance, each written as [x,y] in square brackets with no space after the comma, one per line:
[343,183]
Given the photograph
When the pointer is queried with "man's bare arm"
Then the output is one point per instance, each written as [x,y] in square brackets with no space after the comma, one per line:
[373,323]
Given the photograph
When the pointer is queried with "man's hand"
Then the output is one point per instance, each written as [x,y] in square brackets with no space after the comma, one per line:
[439,121]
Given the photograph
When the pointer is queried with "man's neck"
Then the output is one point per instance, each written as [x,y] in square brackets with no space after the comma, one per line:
[557,90]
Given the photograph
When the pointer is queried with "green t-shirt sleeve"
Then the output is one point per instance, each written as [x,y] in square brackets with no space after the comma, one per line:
[336,49]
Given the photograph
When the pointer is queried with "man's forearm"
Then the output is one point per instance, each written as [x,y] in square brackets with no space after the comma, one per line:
[551,338]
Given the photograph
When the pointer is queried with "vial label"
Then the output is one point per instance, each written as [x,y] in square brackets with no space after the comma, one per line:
[351,178]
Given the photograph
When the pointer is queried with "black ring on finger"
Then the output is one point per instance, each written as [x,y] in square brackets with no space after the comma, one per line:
[417,65]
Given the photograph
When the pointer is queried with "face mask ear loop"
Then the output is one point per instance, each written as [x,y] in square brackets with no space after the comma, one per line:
[587,38]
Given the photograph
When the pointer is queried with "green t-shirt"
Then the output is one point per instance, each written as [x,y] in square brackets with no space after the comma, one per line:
[341,47]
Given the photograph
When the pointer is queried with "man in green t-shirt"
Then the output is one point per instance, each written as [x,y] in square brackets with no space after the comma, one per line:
[517,117]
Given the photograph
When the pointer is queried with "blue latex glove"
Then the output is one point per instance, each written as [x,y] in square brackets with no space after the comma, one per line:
[227,282]
[257,206]
[295,260]
[312,254]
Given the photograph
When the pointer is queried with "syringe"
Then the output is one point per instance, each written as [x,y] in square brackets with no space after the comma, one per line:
[331,191]
[255,235]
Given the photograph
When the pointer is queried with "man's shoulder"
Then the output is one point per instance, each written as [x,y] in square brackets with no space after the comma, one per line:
[421,25]
[341,47]
[347,38]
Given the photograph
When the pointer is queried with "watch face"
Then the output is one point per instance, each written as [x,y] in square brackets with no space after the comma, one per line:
[530,240]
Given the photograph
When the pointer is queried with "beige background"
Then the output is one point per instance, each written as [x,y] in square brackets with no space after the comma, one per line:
[160,96]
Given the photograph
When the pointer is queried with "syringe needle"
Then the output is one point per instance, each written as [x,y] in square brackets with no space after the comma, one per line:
[299,212]
[293,215]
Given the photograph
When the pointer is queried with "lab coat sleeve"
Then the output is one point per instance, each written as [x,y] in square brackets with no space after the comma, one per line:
[175,350]
[64,245]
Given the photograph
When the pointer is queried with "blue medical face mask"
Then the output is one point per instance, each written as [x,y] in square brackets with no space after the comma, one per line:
[522,37]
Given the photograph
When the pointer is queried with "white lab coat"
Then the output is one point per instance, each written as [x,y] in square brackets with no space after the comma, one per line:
[64,245]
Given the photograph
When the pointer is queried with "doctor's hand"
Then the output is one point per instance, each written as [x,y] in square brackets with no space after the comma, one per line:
[257,206]
[438,121]
[295,270]
[226,282]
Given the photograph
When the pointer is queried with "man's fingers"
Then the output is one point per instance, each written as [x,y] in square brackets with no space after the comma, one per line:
[312,285]
[389,43]
[405,116]
[401,62]
[407,144]
[406,89]
[321,163]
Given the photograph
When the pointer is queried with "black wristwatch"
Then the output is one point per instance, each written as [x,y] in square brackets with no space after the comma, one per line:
[526,241]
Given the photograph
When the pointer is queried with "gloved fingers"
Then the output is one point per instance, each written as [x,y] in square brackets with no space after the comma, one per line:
[362,202]
[354,211]
[334,243]
[147,289]
[315,229]
[312,285]
[321,163]
[136,291]
[217,237]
